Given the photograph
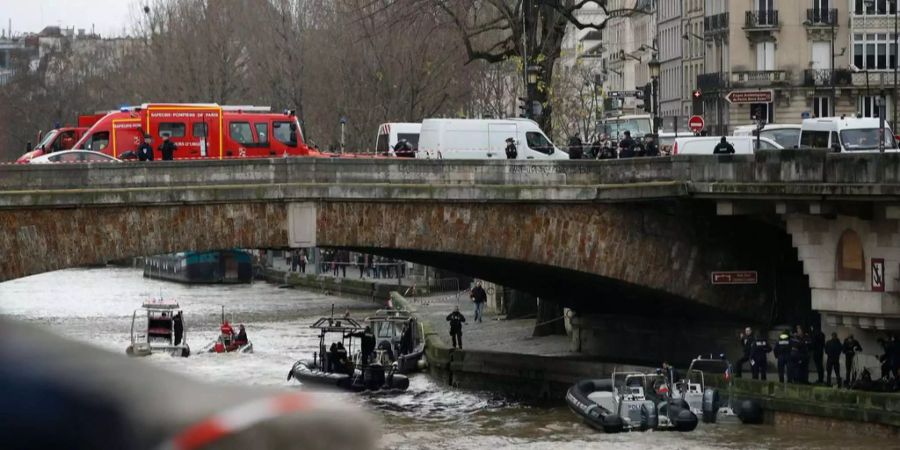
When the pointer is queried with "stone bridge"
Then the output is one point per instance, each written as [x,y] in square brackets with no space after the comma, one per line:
[628,237]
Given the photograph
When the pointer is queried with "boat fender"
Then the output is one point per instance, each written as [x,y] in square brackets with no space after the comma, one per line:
[710,405]
[685,420]
[750,412]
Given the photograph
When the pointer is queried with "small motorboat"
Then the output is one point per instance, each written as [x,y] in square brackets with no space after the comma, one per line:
[707,402]
[158,327]
[339,367]
[228,341]
[630,401]
[398,339]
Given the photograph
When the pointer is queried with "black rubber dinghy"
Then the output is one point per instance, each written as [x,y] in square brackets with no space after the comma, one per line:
[594,415]
[371,378]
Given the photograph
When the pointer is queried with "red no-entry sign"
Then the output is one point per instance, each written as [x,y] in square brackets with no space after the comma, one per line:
[696,123]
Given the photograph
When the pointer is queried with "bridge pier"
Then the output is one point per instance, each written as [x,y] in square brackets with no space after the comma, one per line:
[646,340]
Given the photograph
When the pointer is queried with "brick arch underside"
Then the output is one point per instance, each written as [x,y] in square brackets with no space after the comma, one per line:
[650,259]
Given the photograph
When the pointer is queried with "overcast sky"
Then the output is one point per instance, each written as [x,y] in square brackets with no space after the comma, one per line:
[109,17]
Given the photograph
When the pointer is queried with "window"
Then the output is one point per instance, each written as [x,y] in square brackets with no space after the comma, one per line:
[240,132]
[381,144]
[262,134]
[200,129]
[172,129]
[874,51]
[765,56]
[537,141]
[763,145]
[814,139]
[98,141]
[285,132]
[865,139]
[763,111]
[822,107]
[850,258]
[785,137]
[868,106]
[412,138]
[879,7]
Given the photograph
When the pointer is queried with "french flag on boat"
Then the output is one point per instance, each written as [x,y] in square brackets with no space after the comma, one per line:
[728,373]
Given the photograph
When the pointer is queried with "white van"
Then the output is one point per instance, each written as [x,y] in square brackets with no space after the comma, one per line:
[391,133]
[786,135]
[484,139]
[845,134]
[743,145]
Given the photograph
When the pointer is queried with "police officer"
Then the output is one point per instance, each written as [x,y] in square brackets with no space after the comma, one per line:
[167,148]
[851,347]
[782,354]
[747,345]
[817,349]
[145,151]
[626,146]
[798,354]
[575,147]
[403,149]
[723,147]
[367,344]
[511,151]
[760,348]
[650,148]
[833,350]
[805,350]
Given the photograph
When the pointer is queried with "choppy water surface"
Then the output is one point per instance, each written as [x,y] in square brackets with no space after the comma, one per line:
[95,306]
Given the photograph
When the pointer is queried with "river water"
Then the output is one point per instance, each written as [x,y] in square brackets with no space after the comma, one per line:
[95,306]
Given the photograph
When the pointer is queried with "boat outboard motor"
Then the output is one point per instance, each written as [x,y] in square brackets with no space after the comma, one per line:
[750,412]
[710,405]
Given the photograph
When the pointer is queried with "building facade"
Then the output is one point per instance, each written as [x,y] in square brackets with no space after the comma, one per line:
[670,55]
[798,50]
[631,37]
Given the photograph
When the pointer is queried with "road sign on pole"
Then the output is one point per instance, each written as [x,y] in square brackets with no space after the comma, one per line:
[743,97]
[696,123]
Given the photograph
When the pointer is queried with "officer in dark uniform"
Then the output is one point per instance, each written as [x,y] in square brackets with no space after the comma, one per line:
[167,148]
[404,150]
[798,353]
[817,348]
[626,146]
[747,345]
[758,352]
[833,350]
[367,344]
[782,354]
[511,151]
[723,147]
[145,151]
[805,350]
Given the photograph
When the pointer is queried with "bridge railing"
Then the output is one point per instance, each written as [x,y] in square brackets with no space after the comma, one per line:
[784,166]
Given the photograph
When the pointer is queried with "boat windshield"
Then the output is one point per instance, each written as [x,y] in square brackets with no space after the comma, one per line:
[387,329]
[866,139]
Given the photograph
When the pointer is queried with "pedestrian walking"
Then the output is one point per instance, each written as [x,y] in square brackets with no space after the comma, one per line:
[851,348]
[817,350]
[833,350]
[304,260]
[758,352]
[456,320]
[167,148]
[782,354]
[746,345]
[480,298]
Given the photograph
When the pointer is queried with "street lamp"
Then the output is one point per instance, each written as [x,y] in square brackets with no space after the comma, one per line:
[653,65]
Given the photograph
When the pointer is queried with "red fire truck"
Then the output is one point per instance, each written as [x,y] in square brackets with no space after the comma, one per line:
[199,131]
[62,138]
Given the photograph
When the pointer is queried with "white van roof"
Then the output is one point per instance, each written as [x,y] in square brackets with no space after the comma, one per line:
[400,127]
[841,123]
[769,126]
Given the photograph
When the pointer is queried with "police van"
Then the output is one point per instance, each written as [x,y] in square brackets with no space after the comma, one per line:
[484,139]
[389,134]
[844,134]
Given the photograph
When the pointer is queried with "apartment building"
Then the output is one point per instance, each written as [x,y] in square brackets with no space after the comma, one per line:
[631,43]
[872,56]
[670,54]
[778,60]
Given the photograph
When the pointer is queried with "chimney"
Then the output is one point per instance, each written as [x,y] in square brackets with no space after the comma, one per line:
[81,32]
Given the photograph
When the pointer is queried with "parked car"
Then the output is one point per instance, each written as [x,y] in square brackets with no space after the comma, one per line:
[74,156]
[743,145]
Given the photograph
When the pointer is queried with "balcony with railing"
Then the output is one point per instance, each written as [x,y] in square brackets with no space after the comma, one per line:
[759,78]
[825,77]
[710,82]
[819,17]
[715,24]
[762,20]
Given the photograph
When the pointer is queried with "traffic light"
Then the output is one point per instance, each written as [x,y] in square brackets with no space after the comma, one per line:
[697,102]
[524,107]
[647,92]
